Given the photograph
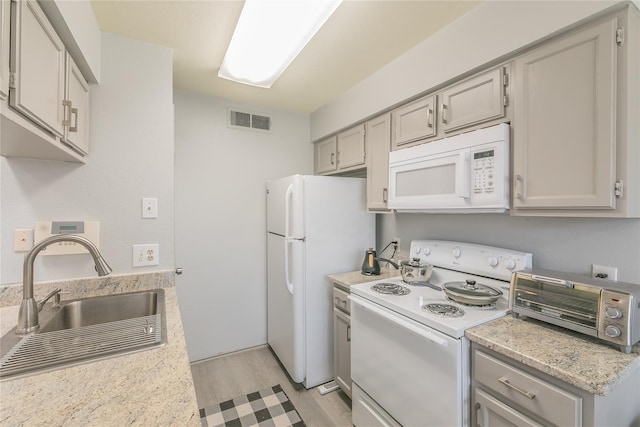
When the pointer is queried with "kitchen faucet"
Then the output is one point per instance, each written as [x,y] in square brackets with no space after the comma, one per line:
[29,308]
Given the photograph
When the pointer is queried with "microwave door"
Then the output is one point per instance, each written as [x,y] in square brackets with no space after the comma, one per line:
[435,181]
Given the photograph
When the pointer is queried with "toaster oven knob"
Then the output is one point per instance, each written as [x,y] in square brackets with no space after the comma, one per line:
[613,313]
[612,331]
[510,264]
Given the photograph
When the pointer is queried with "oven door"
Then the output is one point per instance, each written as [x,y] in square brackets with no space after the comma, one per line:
[416,374]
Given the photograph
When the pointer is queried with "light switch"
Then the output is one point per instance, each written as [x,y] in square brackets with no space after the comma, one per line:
[149,207]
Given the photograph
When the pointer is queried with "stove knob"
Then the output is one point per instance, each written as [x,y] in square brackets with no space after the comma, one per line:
[612,331]
[493,261]
[417,250]
[613,313]
[510,264]
[456,252]
[426,251]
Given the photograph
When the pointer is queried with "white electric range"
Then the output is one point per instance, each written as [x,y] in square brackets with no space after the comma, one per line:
[410,359]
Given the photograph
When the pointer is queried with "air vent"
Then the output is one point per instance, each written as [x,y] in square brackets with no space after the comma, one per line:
[244,120]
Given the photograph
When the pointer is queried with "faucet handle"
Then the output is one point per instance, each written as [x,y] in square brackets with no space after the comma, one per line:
[44,300]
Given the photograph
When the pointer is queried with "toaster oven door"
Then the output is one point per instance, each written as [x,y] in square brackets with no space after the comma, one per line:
[574,307]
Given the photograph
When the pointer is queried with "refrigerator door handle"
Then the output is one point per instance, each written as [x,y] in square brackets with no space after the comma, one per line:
[287,281]
[287,208]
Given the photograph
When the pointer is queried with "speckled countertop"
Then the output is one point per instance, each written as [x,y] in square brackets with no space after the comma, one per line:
[351,278]
[151,387]
[574,358]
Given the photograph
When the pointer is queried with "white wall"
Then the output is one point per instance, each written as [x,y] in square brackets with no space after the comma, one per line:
[220,182]
[487,32]
[565,244]
[131,156]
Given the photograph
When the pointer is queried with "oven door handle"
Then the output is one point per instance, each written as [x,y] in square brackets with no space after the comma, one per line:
[400,322]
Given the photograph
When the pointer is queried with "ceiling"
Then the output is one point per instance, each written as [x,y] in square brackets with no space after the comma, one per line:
[358,39]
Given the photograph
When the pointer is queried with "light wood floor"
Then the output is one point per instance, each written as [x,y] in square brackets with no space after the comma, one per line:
[225,377]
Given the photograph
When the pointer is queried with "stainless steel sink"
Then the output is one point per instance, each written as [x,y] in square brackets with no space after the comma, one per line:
[103,309]
[85,330]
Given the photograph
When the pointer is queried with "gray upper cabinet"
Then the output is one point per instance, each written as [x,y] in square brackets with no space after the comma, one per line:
[351,148]
[345,152]
[4,48]
[38,58]
[325,156]
[414,121]
[476,100]
[378,136]
[44,105]
[76,108]
[570,130]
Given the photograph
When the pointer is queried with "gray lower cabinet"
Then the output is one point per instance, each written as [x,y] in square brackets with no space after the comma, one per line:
[342,339]
[506,392]
[573,122]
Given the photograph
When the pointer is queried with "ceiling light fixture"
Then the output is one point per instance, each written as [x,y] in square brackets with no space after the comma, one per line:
[269,35]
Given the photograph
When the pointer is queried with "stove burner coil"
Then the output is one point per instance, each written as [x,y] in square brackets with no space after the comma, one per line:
[444,310]
[390,289]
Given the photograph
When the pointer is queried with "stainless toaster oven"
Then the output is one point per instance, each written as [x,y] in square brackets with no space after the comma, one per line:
[601,308]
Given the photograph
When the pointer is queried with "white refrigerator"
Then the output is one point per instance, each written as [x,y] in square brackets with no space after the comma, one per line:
[316,225]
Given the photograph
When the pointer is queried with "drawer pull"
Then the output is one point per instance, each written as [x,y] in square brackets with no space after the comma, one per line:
[505,381]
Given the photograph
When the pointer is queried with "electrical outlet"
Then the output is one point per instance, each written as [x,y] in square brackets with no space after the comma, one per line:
[144,255]
[602,272]
[397,245]
[22,240]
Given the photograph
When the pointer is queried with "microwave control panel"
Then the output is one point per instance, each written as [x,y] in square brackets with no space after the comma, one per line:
[483,167]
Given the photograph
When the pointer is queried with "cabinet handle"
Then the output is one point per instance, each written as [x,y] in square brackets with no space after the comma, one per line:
[505,381]
[66,113]
[429,113]
[74,128]
[444,113]
[385,194]
[348,333]
[332,156]
[519,187]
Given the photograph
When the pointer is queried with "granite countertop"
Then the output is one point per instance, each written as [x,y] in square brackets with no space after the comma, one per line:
[151,387]
[351,278]
[574,358]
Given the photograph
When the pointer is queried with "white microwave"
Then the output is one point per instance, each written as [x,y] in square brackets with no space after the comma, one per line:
[461,174]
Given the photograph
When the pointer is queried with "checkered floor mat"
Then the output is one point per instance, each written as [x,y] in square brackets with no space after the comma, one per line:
[269,407]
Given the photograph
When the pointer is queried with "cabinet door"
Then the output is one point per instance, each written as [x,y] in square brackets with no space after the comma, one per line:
[38,60]
[77,109]
[414,121]
[351,148]
[4,48]
[378,135]
[473,101]
[491,412]
[325,156]
[342,350]
[564,122]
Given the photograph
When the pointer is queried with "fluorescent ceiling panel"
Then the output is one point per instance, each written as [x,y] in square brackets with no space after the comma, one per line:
[269,35]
